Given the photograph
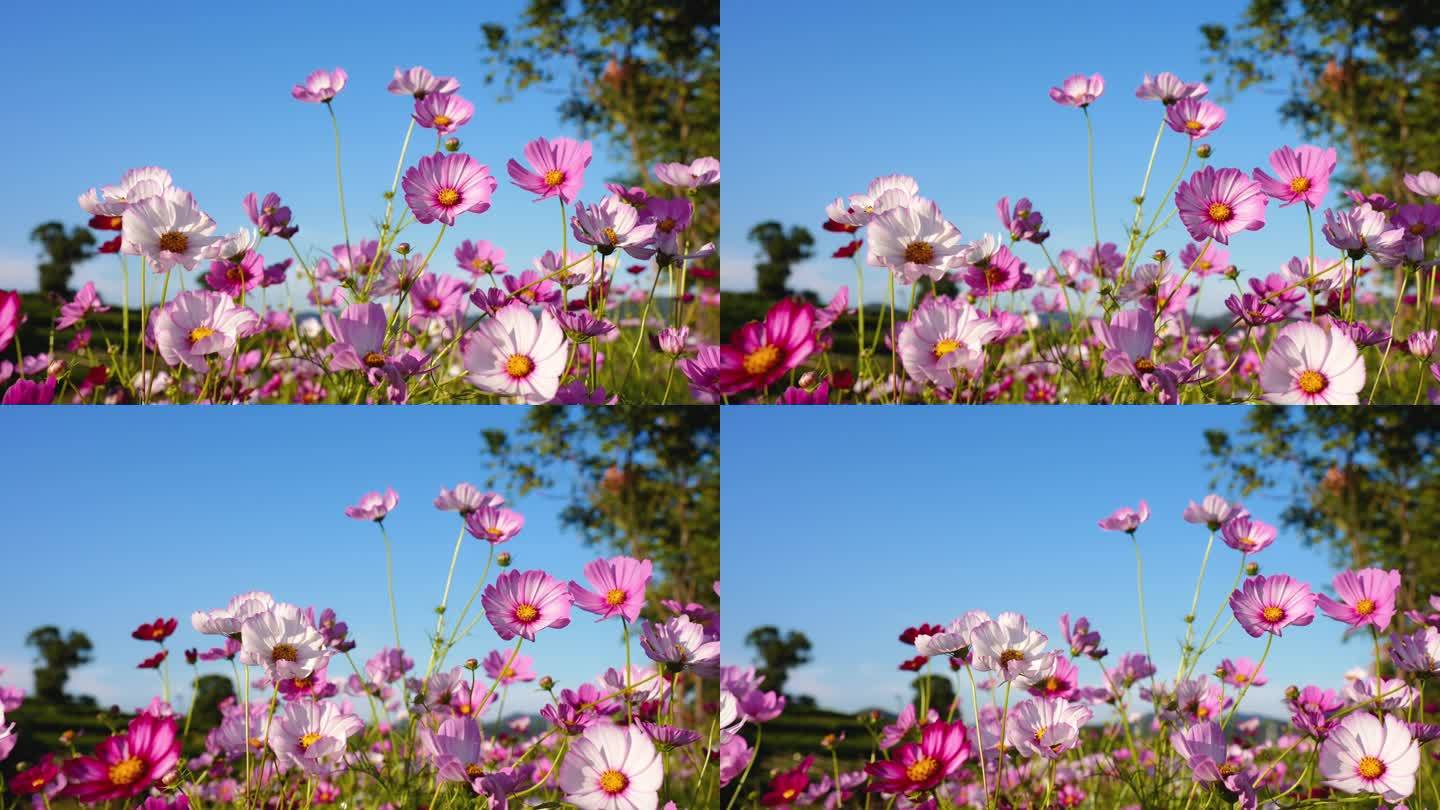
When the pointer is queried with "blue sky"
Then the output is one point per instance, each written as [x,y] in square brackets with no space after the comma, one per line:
[851,524]
[115,517]
[204,90]
[822,97]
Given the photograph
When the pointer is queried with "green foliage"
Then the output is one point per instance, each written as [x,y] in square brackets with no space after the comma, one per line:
[779,249]
[1364,483]
[56,654]
[1364,75]
[942,692]
[647,484]
[210,692]
[62,251]
[779,653]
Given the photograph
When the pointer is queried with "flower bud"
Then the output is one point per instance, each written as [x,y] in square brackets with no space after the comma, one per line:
[1160,255]
[547,683]
[1292,692]
[452,144]
[1203,151]
[503,558]
[403,248]
[1251,569]
[471,664]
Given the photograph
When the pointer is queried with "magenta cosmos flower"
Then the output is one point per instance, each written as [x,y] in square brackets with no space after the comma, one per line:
[12,315]
[1270,604]
[501,667]
[443,186]
[436,297]
[480,258]
[373,506]
[1219,203]
[1367,755]
[1310,365]
[196,324]
[494,524]
[559,168]
[514,354]
[1193,117]
[1246,534]
[321,86]
[619,588]
[443,112]
[612,768]
[127,764]
[522,603]
[1126,519]
[1167,88]
[1301,175]
[759,353]
[419,82]
[1078,90]
[1367,597]
[913,767]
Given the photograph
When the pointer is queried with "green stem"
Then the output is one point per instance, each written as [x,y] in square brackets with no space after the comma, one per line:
[339,177]
[390,582]
[1269,639]
[1090,139]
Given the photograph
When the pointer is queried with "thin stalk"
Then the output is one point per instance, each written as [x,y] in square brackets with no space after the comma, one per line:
[339,178]
[390,582]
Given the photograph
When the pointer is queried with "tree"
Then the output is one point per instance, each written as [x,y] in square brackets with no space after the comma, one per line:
[56,655]
[646,484]
[779,250]
[1361,482]
[210,692]
[1363,75]
[778,654]
[64,250]
[942,692]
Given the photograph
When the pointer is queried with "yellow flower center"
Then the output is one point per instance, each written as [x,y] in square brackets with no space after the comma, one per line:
[1370,768]
[519,366]
[1193,125]
[174,242]
[464,708]
[526,612]
[1010,657]
[613,782]
[447,196]
[1311,382]
[473,771]
[199,333]
[432,303]
[235,273]
[1241,677]
[1144,364]
[944,347]
[788,794]
[615,597]
[1365,607]
[762,359]
[374,360]
[442,121]
[919,253]
[611,236]
[1300,184]
[1273,613]
[507,672]
[309,740]
[554,177]
[126,771]
[922,769]
[256,743]
[667,224]
[1040,733]
[283,652]
[1052,684]
[1220,212]
[483,265]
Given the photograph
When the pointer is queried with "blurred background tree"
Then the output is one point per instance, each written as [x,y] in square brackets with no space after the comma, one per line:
[1363,75]
[779,250]
[55,655]
[649,484]
[778,654]
[210,692]
[1365,483]
[62,251]
[942,692]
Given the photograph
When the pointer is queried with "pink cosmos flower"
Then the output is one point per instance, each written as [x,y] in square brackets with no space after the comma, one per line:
[670,219]
[480,258]
[86,302]
[1078,90]
[373,506]
[1212,511]
[1168,88]
[522,603]
[1417,652]
[196,324]
[465,498]
[612,224]
[1310,365]
[1126,519]
[494,524]
[233,278]
[168,229]
[1241,672]
[436,297]
[914,241]
[443,112]
[612,768]
[443,186]
[455,748]
[1302,175]
[1244,533]
[268,215]
[1362,231]
[680,645]
[419,82]
[1367,755]
[1193,117]
[759,353]
[1049,727]
[1425,184]
[321,86]
[313,735]
[703,171]
[559,168]
[125,765]
[1202,746]
[12,315]
[914,767]
[359,334]
[29,392]
[514,354]
[521,668]
[1215,259]
[619,588]
[1270,604]
[1367,597]
[1219,203]
[942,338]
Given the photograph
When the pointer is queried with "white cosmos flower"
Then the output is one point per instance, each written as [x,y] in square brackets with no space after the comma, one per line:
[281,641]
[914,241]
[168,229]
[227,620]
[612,768]
[1009,647]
